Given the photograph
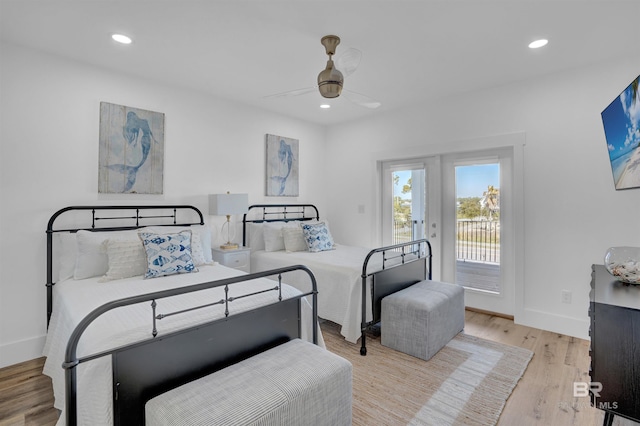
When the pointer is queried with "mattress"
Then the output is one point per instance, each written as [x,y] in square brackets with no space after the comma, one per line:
[74,299]
[339,278]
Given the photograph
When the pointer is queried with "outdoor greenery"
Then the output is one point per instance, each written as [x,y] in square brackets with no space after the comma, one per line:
[469,208]
[479,217]
[401,206]
[478,224]
[486,207]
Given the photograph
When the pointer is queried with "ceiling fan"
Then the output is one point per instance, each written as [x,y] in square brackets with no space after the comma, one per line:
[331,79]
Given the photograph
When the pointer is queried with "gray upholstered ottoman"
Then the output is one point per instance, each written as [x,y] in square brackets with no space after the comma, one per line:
[296,383]
[421,319]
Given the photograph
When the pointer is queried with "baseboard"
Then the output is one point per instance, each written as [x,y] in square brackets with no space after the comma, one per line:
[545,321]
[495,314]
[24,350]
[561,324]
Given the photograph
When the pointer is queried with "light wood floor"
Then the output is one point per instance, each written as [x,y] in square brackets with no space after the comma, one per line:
[544,395]
[26,396]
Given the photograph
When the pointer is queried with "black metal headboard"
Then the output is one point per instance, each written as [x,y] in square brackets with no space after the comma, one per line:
[124,217]
[278,213]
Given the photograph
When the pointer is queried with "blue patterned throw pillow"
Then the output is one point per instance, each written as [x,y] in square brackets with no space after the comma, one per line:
[167,254]
[317,236]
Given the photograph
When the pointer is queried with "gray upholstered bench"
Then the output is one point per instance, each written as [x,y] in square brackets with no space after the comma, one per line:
[296,383]
[422,318]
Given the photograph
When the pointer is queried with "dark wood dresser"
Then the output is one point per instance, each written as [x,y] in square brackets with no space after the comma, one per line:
[615,346]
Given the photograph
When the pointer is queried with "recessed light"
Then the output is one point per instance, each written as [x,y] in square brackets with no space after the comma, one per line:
[120,38]
[325,106]
[538,43]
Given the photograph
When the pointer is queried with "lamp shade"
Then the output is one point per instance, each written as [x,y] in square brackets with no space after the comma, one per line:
[228,204]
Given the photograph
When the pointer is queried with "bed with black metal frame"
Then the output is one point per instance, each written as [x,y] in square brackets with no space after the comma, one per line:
[164,360]
[398,267]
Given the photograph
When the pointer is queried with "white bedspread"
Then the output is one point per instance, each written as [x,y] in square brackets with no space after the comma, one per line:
[339,276]
[74,299]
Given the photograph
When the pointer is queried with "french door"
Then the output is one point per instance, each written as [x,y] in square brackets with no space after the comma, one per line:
[404,213]
[478,227]
[408,213]
[463,204]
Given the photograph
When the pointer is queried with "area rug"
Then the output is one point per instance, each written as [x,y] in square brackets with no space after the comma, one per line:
[467,383]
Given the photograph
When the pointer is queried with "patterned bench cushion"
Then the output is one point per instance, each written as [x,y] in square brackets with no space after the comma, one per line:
[295,383]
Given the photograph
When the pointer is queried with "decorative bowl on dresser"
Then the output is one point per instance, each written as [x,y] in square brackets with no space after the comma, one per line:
[623,263]
[615,346]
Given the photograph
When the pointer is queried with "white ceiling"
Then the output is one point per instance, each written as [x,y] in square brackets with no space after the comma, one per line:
[413,51]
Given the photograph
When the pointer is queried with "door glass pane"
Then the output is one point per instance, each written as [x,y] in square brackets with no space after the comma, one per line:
[478,226]
[408,205]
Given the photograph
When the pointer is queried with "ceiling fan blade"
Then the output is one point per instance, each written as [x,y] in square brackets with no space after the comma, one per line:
[348,61]
[362,100]
[296,92]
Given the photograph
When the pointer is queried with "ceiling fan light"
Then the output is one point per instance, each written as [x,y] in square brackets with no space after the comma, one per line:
[330,81]
[330,89]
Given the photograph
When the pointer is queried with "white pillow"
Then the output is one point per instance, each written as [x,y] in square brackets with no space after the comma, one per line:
[91,259]
[65,252]
[127,258]
[197,253]
[203,231]
[294,239]
[273,238]
[256,236]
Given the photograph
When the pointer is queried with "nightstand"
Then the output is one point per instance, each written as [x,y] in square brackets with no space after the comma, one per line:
[239,258]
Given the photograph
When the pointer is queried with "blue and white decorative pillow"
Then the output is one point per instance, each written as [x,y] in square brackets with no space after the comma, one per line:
[167,254]
[317,236]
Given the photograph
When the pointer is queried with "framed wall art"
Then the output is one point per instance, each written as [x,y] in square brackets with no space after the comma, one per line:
[283,161]
[621,120]
[131,152]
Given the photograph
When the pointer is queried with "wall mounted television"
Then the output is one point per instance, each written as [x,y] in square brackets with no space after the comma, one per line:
[621,120]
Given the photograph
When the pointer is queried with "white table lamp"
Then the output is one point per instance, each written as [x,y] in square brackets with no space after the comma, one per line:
[227,205]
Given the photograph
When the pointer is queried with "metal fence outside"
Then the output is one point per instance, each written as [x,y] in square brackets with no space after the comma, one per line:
[478,240]
[403,231]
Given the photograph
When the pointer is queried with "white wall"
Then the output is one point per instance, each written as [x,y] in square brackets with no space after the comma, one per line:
[572,211]
[49,110]
[49,155]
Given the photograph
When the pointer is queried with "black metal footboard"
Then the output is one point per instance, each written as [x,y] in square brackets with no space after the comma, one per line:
[145,369]
[413,264]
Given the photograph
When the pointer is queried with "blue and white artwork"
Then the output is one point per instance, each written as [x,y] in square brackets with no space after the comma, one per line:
[282,166]
[131,154]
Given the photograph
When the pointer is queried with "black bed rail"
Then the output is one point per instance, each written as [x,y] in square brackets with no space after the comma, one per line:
[72,360]
[93,221]
[278,213]
[417,253]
